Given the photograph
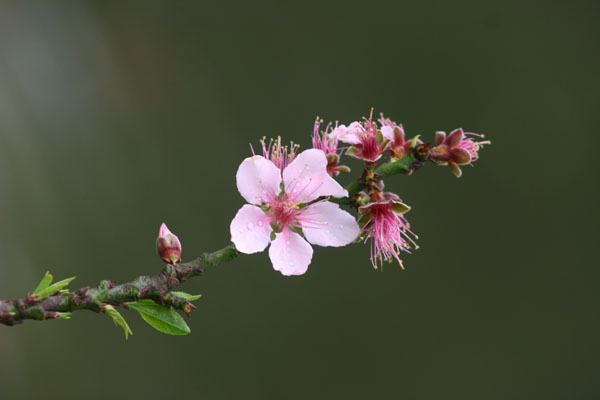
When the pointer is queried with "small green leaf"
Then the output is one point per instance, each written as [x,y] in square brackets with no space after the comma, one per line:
[413,142]
[53,288]
[63,315]
[161,318]
[44,283]
[118,319]
[187,296]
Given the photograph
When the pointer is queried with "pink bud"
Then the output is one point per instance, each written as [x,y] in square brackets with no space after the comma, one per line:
[168,245]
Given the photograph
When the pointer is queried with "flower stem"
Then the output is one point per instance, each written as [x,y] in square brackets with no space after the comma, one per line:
[401,166]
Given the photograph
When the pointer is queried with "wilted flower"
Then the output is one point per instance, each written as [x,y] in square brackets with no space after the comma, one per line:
[168,245]
[276,214]
[387,228]
[456,149]
[399,147]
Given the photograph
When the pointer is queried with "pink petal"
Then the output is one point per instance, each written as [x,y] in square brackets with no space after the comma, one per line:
[325,224]
[306,177]
[290,254]
[163,231]
[348,134]
[399,135]
[250,230]
[338,132]
[454,138]
[388,133]
[355,128]
[258,180]
[332,188]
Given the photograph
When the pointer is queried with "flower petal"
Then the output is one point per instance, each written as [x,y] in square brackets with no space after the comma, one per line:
[338,132]
[331,187]
[454,138]
[306,177]
[399,135]
[455,169]
[440,136]
[325,224]
[250,230]
[387,132]
[347,134]
[460,155]
[258,180]
[290,254]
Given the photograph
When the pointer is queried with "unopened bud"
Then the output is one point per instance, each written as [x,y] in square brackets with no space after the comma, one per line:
[168,245]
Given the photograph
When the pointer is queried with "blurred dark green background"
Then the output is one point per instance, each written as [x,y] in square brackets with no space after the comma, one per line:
[117,116]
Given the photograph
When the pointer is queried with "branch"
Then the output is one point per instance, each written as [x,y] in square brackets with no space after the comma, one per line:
[380,220]
[156,287]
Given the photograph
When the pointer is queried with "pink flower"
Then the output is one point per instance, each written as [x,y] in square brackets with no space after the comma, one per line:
[276,214]
[456,149]
[366,143]
[168,245]
[387,228]
[328,144]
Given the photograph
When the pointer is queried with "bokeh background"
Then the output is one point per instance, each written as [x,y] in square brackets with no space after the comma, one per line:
[117,116]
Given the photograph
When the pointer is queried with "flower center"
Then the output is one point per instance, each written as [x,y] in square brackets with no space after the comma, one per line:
[285,210]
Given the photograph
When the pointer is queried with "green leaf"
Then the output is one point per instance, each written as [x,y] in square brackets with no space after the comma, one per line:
[118,319]
[44,283]
[161,318]
[413,142]
[187,296]
[53,288]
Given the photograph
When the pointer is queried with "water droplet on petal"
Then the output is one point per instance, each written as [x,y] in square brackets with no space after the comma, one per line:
[241,230]
[250,226]
[260,223]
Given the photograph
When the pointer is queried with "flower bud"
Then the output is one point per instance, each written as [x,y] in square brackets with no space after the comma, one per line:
[168,245]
